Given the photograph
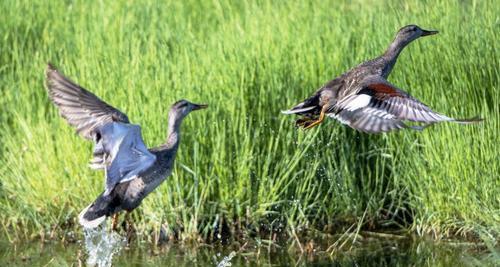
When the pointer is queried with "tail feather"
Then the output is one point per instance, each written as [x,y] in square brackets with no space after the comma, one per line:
[97,212]
[296,110]
[90,223]
[309,106]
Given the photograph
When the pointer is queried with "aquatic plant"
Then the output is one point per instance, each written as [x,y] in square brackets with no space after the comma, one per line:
[243,169]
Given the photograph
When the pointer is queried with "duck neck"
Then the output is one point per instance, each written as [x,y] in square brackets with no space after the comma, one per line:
[391,55]
[173,133]
[394,49]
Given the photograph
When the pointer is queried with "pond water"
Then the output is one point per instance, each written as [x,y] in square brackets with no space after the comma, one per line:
[383,253]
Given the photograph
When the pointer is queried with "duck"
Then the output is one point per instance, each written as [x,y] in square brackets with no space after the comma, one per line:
[364,100]
[132,171]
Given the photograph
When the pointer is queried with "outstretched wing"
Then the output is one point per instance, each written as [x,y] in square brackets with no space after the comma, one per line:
[82,109]
[369,120]
[119,148]
[379,106]
[125,155]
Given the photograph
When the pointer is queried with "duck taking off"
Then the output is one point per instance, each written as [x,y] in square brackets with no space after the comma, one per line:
[131,170]
[363,98]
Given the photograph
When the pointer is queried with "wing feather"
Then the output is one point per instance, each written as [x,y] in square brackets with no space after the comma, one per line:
[126,155]
[119,148]
[82,109]
[377,106]
[399,103]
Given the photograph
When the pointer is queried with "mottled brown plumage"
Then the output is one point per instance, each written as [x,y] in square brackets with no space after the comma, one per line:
[363,99]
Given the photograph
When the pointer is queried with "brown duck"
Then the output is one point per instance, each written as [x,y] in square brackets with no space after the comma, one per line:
[363,98]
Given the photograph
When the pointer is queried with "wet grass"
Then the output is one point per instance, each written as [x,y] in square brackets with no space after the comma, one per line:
[242,167]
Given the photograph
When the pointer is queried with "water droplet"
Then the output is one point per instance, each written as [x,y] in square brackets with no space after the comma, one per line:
[226,261]
[101,245]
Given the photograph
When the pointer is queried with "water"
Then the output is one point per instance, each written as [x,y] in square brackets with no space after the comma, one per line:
[101,245]
[226,261]
[143,254]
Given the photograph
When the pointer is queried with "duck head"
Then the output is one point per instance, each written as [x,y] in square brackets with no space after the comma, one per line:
[411,32]
[182,108]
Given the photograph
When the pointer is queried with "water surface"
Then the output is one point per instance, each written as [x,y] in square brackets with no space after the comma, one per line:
[386,253]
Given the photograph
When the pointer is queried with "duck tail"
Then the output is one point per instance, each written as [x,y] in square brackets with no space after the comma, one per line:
[308,106]
[297,110]
[96,213]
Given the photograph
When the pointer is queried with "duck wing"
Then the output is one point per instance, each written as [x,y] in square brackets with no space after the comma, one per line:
[378,106]
[124,153]
[82,109]
[119,148]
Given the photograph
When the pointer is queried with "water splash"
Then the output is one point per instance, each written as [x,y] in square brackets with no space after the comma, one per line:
[226,261]
[101,245]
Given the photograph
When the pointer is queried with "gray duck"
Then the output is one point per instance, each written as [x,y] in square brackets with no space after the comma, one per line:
[132,171]
[363,99]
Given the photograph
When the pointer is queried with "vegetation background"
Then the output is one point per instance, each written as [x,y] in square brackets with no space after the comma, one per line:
[242,166]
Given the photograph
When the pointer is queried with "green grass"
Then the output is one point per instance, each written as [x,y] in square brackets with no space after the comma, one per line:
[241,161]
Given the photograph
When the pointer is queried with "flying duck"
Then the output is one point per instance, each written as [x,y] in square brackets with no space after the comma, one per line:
[363,99]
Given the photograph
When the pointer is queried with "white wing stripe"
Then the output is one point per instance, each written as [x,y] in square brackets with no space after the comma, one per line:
[356,102]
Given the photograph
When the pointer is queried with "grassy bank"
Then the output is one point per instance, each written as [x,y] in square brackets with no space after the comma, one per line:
[240,161]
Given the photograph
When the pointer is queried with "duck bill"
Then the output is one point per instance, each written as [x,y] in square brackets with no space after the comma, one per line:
[427,33]
[199,106]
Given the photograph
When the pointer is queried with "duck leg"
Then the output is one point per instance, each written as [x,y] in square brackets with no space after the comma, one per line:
[130,226]
[303,122]
[114,222]
[316,122]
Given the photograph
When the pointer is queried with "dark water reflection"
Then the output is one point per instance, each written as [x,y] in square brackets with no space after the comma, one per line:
[382,254]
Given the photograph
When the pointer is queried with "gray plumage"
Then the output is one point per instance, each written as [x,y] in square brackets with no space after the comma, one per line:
[363,98]
[132,170]
[125,155]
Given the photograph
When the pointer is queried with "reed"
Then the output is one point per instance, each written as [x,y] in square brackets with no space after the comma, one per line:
[241,163]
